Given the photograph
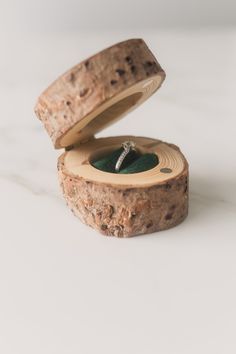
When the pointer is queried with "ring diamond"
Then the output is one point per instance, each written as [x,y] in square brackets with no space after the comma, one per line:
[127,146]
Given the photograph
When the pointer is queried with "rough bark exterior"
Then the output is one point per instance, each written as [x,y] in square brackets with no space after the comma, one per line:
[91,83]
[123,212]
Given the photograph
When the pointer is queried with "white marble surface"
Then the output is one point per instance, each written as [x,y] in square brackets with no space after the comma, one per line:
[66,289]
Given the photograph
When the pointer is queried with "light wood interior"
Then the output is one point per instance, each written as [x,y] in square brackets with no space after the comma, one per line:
[171,162]
[110,111]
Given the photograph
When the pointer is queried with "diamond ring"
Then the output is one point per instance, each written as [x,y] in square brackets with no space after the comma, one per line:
[127,146]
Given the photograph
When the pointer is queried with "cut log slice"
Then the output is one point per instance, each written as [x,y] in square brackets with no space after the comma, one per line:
[129,204]
[99,91]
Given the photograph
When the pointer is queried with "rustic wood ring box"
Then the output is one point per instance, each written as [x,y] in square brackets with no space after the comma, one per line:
[88,98]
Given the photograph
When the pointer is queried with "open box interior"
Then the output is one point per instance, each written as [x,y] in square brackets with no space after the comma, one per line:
[136,161]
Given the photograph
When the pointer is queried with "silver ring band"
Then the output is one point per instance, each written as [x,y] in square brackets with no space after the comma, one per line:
[127,146]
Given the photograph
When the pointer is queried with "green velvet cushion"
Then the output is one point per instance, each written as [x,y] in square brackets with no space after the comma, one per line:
[134,162]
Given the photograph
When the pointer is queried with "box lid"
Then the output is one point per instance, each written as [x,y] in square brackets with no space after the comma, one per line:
[98,91]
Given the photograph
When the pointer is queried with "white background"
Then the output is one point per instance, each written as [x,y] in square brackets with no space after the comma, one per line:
[65,289]
[107,14]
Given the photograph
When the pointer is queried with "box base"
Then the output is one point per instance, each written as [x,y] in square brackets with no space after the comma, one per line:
[126,205]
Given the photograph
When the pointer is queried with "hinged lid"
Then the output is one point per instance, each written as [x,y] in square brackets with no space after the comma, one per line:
[98,91]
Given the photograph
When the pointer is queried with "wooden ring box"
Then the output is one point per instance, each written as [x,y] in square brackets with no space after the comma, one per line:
[83,101]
